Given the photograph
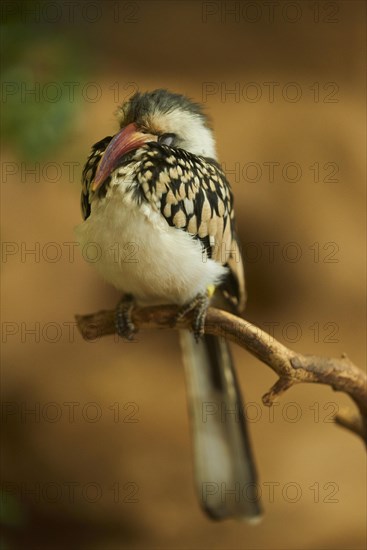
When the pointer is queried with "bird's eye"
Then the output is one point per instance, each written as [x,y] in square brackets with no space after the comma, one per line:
[166,139]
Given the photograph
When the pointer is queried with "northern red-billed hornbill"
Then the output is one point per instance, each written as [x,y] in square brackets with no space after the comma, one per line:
[160,210]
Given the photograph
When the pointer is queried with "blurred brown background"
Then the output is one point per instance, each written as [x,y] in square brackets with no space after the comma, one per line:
[104,461]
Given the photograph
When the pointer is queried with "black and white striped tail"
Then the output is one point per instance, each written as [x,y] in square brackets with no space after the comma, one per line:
[225,473]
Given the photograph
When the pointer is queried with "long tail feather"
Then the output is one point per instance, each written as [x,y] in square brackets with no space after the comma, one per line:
[225,473]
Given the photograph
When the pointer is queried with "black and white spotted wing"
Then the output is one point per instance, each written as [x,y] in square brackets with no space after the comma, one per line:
[89,172]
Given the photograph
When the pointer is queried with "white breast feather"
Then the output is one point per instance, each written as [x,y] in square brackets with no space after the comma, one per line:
[141,254]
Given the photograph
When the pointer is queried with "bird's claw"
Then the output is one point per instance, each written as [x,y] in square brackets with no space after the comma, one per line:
[123,321]
[198,306]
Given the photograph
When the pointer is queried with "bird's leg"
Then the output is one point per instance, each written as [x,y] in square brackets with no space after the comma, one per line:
[123,321]
[199,306]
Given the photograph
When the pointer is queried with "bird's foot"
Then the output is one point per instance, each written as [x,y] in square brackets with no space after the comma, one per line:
[123,320]
[198,306]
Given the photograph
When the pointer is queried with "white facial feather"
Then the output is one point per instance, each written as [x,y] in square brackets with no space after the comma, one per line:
[194,136]
[190,128]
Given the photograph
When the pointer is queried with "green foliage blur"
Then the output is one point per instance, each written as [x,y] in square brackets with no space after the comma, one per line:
[39,68]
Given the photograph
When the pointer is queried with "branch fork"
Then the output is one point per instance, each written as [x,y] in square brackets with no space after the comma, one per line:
[291,367]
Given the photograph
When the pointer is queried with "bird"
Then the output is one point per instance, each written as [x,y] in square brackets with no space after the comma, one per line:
[158,207]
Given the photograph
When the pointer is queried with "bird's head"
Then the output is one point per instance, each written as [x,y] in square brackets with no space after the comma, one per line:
[162,117]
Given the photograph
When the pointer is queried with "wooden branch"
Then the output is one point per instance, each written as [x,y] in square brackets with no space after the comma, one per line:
[291,367]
